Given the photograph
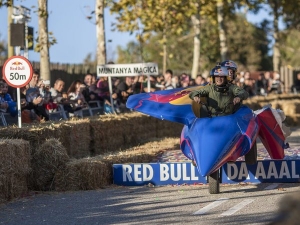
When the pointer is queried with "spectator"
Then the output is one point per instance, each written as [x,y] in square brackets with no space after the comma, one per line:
[175,82]
[261,85]
[276,85]
[160,83]
[103,93]
[3,103]
[248,86]
[28,114]
[200,80]
[90,91]
[57,97]
[296,86]
[35,99]
[124,90]
[168,79]
[75,95]
[7,103]
[140,84]
[268,81]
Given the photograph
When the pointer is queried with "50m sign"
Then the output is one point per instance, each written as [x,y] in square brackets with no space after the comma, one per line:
[17,71]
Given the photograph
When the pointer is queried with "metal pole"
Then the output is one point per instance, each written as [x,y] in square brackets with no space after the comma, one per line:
[148,83]
[110,94]
[19,108]
[26,41]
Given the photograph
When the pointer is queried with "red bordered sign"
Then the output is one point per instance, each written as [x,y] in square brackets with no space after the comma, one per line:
[17,71]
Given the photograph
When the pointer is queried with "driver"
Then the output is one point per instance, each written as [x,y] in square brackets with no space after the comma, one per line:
[223,97]
[232,68]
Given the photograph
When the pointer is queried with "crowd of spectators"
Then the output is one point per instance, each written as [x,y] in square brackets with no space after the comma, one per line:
[40,98]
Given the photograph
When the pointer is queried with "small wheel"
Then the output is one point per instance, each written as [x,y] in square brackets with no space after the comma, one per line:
[214,182]
[251,156]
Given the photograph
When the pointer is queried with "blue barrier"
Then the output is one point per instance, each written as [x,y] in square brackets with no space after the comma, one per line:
[279,171]
[267,171]
[156,174]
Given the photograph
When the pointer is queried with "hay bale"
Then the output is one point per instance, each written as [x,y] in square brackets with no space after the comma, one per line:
[288,212]
[47,159]
[139,129]
[96,172]
[82,174]
[76,137]
[107,134]
[168,129]
[291,107]
[14,168]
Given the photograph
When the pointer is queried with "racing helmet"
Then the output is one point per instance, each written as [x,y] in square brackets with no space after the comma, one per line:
[229,64]
[219,71]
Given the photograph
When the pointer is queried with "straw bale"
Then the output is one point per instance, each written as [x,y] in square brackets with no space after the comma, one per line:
[291,107]
[36,134]
[292,120]
[288,212]
[96,172]
[14,168]
[168,129]
[48,158]
[140,129]
[76,137]
[81,174]
[107,134]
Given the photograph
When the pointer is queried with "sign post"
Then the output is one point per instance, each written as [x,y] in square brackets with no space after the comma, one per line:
[17,72]
[123,70]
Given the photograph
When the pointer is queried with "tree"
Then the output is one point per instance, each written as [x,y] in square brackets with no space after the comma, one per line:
[3,49]
[248,55]
[43,39]
[147,17]
[130,54]
[100,32]
[290,47]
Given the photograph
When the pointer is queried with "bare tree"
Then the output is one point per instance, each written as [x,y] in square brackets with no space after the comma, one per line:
[100,32]
[43,39]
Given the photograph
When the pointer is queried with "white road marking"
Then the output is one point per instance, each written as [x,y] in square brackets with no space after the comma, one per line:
[237,207]
[272,186]
[211,206]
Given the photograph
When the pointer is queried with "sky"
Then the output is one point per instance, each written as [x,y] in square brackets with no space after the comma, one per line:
[75,34]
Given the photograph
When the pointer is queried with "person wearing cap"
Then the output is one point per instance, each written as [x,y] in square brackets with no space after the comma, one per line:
[223,97]
[232,69]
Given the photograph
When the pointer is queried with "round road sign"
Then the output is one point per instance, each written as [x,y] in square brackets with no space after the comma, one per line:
[17,71]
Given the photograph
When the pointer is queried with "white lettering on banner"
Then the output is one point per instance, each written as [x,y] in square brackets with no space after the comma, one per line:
[272,171]
[284,170]
[231,166]
[133,69]
[244,172]
[184,172]
[178,171]
[193,173]
[294,175]
[127,170]
[147,167]
[260,171]
[137,172]
[164,172]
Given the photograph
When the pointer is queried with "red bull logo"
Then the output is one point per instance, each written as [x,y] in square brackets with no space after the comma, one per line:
[17,63]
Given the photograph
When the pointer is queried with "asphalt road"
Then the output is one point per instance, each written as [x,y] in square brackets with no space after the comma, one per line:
[236,204]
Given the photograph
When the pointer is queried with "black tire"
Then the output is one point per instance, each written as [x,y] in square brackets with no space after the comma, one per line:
[214,182]
[251,156]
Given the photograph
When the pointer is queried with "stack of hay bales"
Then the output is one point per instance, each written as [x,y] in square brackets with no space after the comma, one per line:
[47,159]
[14,168]
[96,172]
[76,137]
[107,134]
